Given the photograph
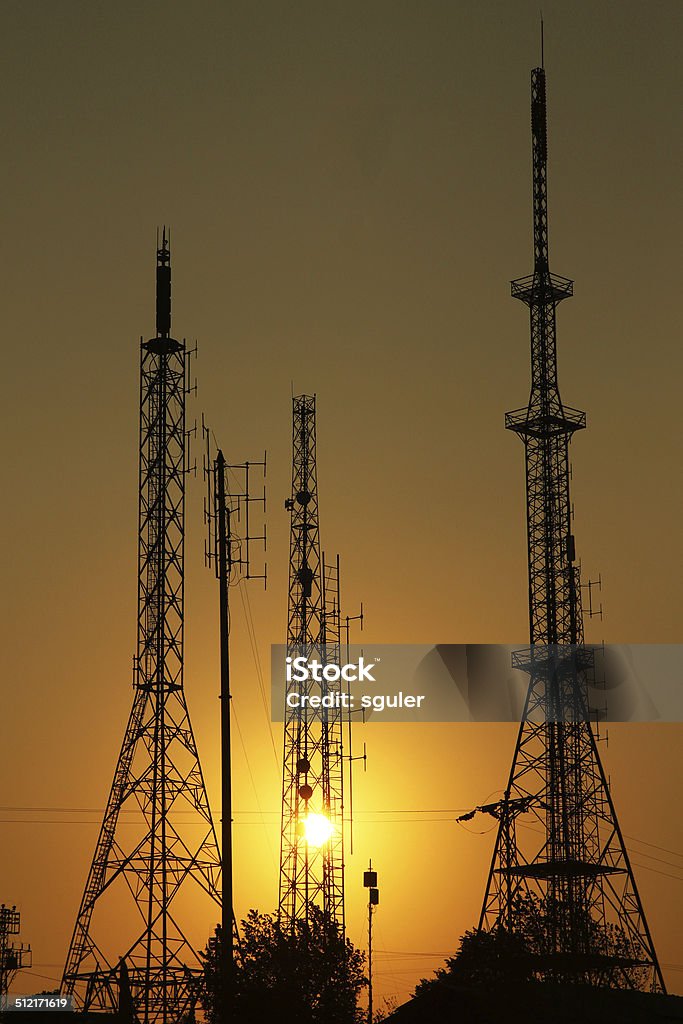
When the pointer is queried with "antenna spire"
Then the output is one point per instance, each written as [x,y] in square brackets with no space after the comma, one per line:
[542,53]
[164,285]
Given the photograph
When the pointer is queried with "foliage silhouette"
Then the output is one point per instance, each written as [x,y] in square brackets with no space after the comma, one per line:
[604,956]
[309,975]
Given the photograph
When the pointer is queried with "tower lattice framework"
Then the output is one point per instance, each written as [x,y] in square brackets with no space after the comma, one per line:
[14,955]
[572,894]
[155,868]
[313,752]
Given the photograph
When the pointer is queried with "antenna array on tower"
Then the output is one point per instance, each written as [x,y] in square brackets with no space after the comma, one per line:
[574,891]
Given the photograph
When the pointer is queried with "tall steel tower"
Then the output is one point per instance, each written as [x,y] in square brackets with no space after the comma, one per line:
[575,891]
[152,868]
[312,836]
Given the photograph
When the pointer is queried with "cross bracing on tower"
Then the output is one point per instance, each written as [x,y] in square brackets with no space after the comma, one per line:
[571,895]
[154,883]
[312,826]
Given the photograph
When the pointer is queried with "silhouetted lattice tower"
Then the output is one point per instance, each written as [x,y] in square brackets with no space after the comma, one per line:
[311,872]
[575,892]
[155,871]
[14,956]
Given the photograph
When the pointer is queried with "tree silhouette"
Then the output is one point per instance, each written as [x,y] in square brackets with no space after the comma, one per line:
[495,958]
[604,957]
[310,975]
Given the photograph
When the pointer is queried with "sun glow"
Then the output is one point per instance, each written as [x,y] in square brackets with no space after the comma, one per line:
[317,829]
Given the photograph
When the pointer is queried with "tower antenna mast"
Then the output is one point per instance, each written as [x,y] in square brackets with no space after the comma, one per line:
[14,956]
[164,858]
[227,514]
[312,833]
[577,884]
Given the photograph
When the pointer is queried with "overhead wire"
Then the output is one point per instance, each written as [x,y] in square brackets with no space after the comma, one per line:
[251,633]
[251,776]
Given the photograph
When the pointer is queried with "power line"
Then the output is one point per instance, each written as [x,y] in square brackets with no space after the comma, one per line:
[251,633]
[253,782]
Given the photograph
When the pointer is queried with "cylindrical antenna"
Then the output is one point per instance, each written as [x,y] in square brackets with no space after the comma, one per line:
[164,288]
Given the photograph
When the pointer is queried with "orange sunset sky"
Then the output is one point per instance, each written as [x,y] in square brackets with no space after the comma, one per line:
[349,193]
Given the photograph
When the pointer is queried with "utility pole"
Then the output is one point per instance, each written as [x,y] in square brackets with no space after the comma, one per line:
[370,883]
[228,503]
[227,901]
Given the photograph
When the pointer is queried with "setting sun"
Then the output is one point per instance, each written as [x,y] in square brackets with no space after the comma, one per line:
[317,829]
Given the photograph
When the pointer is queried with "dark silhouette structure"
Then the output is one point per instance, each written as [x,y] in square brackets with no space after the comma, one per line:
[536,1004]
[228,504]
[312,835]
[575,889]
[370,883]
[14,956]
[154,866]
